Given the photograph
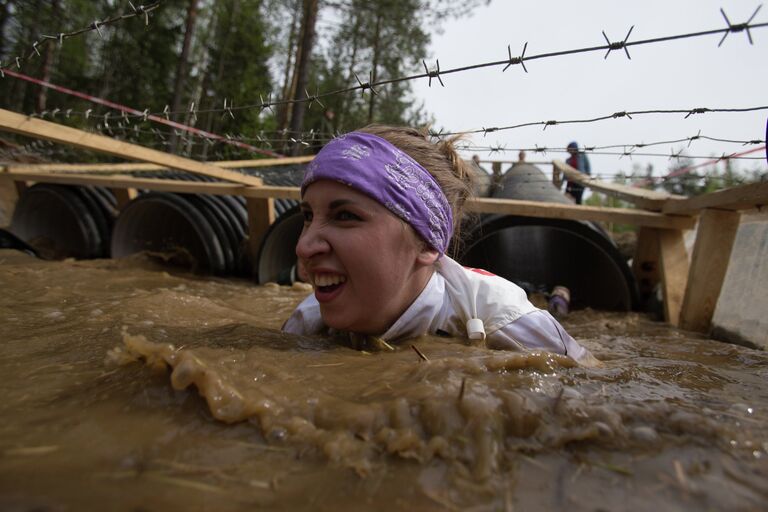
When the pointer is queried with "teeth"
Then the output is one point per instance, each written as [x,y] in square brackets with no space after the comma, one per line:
[329,279]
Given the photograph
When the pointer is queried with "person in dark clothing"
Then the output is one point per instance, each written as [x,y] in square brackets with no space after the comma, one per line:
[579,161]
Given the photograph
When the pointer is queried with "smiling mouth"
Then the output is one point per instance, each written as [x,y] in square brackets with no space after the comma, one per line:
[326,284]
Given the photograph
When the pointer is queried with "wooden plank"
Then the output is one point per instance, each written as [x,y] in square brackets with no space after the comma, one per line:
[9,197]
[579,212]
[744,197]
[161,184]
[273,192]
[648,199]
[645,262]
[118,181]
[17,123]
[261,214]
[80,168]
[481,205]
[123,196]
[265,162]
[122,167]
[674,272]
[20,186]
[709,263]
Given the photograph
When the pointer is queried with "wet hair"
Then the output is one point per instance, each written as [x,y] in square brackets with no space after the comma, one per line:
[443,162]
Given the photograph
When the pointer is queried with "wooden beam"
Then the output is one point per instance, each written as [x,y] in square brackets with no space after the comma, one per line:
[20,186]
[261,215]
[272,192]
[579,212]
[10,191]
[265,162]
[709,263]
[17,123]
[481,205]
[118,181]
[122,167]
[674,272]
[744,197]
[160,184]
[123,196]
[645,262]
[648,199]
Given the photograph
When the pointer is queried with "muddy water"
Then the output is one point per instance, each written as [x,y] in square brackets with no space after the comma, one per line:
[128,388]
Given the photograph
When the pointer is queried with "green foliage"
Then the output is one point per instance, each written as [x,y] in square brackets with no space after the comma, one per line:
[237,46]
[692,180]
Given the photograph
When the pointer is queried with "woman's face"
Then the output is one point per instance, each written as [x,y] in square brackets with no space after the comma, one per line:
[367,266]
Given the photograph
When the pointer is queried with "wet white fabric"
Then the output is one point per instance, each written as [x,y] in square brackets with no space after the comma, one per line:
[446,304]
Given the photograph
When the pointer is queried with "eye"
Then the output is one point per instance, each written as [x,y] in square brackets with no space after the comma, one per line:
[307,215]
[345,215]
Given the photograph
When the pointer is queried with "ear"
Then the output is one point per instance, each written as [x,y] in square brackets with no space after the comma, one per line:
[427,256]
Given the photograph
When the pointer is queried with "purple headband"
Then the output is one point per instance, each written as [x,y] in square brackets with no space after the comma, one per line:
[375,167]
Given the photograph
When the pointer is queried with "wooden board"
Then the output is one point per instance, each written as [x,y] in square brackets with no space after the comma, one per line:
[17,123]
[645,262]
[261,215]
[709,263]
[118,181]
[118,168]
[648,199]
[744,197]
[123,196]
[673,260]
[579,212]
[481,205]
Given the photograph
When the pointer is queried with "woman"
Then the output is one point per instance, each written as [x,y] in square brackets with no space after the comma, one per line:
[381,206]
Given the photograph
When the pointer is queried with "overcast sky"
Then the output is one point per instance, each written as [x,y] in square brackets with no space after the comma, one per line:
[670,75]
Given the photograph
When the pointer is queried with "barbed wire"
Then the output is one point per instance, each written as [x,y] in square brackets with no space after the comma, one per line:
[44,39]
[616,115]
[496,149]
[436,73]
[312,137]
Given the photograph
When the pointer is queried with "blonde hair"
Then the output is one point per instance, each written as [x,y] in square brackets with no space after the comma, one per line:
[441,160]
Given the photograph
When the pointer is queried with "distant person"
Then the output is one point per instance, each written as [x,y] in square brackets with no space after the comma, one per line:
[579,161]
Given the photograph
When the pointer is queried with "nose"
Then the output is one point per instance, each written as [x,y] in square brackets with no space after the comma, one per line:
[312,242]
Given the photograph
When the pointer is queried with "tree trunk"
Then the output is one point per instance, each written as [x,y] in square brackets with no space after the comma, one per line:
[376,54]
[283,111]
[339,119]
[181,68]
[4,5]
[45,69]
[302,67]
[223,36]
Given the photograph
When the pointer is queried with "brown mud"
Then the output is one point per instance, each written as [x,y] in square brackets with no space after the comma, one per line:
[126,387]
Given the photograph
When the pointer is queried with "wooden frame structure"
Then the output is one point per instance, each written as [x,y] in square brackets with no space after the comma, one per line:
[690,290]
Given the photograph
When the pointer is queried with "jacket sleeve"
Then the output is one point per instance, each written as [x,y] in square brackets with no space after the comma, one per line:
[539,331]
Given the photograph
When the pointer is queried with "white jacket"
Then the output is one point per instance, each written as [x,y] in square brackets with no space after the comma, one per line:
[453,296]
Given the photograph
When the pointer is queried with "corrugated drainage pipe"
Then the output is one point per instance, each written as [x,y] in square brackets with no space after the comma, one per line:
[540,254]
[62,221]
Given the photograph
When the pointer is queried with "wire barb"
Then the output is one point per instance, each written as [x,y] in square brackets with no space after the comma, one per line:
[739,26]
[618,45]
[435,73]
[313,99]
[701,110]
[516,60]
[366,85]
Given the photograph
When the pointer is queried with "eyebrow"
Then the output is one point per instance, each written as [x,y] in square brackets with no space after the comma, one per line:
[337,203]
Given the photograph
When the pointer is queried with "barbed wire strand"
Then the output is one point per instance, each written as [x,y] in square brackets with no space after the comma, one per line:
[436,73]
[140,10]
